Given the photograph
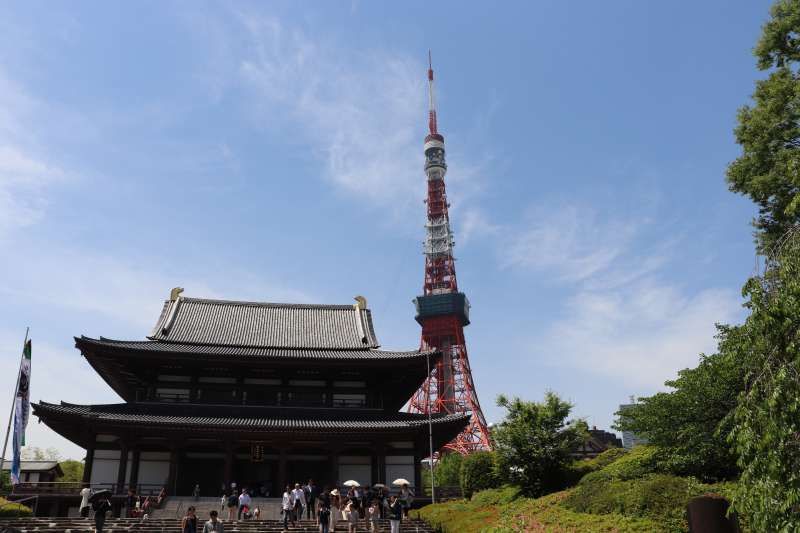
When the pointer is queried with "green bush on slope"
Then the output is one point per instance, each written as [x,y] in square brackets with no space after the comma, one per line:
[10,510]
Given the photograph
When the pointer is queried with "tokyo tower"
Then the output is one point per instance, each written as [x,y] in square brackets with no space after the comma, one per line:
[442,310]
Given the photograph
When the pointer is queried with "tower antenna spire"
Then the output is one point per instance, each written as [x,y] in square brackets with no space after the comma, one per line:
[442,310]
[431,99]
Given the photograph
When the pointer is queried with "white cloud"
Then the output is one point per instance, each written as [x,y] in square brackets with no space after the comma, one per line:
[361,112]
[570,242]
[621,319]
[24,175]
[641,335]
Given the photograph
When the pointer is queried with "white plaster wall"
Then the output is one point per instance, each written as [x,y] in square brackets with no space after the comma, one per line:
[153,472]
[355,467]
[104,470]
[105,466]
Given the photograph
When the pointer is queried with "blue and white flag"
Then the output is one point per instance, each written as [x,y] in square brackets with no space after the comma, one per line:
[22,407]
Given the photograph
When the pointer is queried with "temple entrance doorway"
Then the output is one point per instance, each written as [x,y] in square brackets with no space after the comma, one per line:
[205,469]
[301,468]
[257,476]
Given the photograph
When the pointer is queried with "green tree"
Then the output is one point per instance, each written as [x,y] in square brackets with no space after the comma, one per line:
[690,424]
[766,432]
[768,171]
[478,472]
[446,470]
[73,470]
[534,441]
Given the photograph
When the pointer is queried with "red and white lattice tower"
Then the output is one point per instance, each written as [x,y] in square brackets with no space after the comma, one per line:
[442,310]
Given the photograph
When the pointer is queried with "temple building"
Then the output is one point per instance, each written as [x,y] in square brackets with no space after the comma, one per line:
[260,394]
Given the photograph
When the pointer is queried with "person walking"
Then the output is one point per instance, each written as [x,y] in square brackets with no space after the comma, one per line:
[299,497]
[244,501]
[335,507]
[351,515]
[130,503]
[395,514]
[373,514]
[324,517]
[196,491]
[189,521]
[101,507]
[233,503]
[287,508]
[213,525]
[406,499]
[85,505]
[311,494]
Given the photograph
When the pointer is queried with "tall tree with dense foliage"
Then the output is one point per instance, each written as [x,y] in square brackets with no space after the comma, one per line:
[73,470]
[766,432]
[690,425]
[768,171]
[534,441]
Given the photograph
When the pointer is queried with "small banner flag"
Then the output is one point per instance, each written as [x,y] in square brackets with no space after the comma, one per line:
[22,407]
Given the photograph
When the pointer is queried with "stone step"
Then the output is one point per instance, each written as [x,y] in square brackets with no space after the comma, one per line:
[128,525]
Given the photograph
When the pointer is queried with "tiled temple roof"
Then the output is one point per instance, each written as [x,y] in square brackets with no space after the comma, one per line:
[156,347]
[265,325]
[246,418]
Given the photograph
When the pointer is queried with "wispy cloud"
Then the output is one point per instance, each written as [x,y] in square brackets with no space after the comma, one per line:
[360,111]
[621,319]
[571,243]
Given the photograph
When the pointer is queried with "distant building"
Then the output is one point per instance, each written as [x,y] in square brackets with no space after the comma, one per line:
[596,443]
[36,471]
[629,438]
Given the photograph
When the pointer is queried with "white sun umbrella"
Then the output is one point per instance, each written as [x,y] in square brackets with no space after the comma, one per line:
[400,482]
[351,483]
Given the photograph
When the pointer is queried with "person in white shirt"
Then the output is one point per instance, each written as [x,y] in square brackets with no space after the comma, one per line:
[85,505]
[299,497]
[287,508]
[244,501]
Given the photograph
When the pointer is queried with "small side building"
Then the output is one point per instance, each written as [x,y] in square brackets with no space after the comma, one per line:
[36,471]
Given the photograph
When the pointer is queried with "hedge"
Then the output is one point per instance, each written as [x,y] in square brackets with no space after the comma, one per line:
[11,510]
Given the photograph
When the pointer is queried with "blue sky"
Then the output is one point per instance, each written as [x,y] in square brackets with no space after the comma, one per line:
[273,151]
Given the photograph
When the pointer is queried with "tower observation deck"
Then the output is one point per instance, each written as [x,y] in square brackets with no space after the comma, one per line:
[442,310]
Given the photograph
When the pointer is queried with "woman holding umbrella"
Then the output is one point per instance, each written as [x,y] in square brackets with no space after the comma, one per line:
[406,497]
[101,504]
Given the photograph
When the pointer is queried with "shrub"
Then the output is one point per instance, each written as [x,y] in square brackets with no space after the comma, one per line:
[575,472]
[10,509]
[478,472]
[501,496]
[638,462]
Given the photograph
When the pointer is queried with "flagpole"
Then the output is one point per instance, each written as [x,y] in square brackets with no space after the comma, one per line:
[13,402]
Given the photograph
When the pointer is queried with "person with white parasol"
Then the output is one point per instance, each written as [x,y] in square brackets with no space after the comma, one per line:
[406,496]
[351,510]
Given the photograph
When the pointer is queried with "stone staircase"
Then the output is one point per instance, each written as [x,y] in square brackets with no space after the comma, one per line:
[172,525]
[175,507]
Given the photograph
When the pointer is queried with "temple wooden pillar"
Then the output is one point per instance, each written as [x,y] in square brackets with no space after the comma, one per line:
[87,465]
[134,479]
[228,473]
[333,459]
[172,479]
[282,479]
[417,467]
[123,467]
[378,462]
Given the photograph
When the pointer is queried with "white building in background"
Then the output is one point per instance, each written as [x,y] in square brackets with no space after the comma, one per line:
[629,438]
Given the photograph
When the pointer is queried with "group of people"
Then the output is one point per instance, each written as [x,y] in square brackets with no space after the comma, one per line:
[135,506]
[239,505]
[213,525]
[141,506]
[330,505]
